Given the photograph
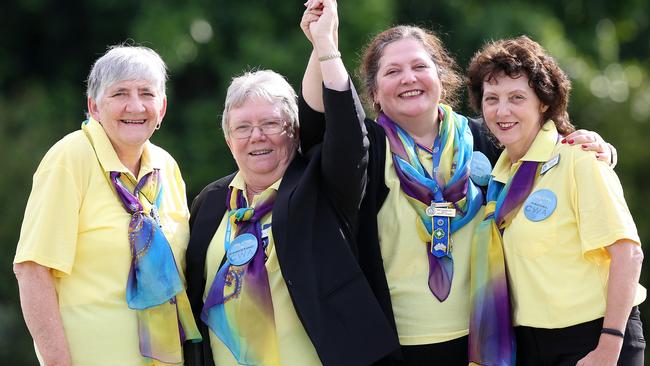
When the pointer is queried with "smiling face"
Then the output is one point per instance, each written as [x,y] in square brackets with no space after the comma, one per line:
[408,86]
[129,112]
[261,158]
[512,112]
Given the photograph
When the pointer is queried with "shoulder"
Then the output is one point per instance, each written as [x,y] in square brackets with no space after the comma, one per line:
[219,184]
[162,157]
[583,165]
[376,135]
[574,154]
[71,153]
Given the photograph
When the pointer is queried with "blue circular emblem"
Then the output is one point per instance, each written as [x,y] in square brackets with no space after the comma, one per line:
[540,205]
[242,249]
[480,169]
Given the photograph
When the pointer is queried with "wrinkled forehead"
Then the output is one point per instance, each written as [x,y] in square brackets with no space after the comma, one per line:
[255,108]
[134,84]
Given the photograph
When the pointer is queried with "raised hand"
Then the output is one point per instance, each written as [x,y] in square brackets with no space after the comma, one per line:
[309,16]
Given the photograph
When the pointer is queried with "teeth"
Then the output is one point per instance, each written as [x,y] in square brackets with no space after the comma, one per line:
[260,152]
[411,93]
[506,124]
[134,121]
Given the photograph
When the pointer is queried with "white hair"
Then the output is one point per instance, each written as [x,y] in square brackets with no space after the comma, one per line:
[123,62]
[267,85]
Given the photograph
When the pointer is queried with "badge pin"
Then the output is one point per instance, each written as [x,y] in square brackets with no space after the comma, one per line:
[549,164]
[540,205]
[480,169]
[242,249]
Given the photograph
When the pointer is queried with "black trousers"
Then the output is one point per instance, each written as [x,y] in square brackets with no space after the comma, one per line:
[450,353]
[566,346]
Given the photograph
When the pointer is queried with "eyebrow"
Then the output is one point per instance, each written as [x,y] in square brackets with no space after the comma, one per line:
[144,88]
[262,120]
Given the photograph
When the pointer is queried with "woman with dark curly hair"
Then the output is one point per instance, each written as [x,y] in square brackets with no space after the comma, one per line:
[556,218]
[423,197]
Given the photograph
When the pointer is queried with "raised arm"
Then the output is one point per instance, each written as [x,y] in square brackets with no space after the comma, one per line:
[345,145]
[313,79]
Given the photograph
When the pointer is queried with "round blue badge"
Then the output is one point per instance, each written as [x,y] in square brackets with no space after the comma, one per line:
[242,249]
[480,169]
[540,205]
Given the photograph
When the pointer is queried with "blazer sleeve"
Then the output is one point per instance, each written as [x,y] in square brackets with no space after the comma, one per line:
[312,125]
[483,142]
[344,150]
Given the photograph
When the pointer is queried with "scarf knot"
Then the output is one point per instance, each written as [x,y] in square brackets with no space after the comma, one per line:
[154,287]
[239,308]
[448,185]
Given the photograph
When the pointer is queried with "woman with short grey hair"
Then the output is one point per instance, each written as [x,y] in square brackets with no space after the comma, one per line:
[271,274]
[102,247]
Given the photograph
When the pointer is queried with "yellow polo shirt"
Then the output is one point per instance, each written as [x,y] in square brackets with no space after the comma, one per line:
[419,316]
[558,267]
[294,346]
[76,225]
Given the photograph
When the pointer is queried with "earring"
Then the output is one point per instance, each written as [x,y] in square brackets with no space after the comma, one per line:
[158,125]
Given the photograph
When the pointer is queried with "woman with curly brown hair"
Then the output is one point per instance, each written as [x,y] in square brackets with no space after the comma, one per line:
[423,197]
[556,218]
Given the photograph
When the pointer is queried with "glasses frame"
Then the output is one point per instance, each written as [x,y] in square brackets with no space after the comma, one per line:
[283,127]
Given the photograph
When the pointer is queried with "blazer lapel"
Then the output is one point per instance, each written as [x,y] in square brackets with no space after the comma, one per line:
[205,225]
[281,223]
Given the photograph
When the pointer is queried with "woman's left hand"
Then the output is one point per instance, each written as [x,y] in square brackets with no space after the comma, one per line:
[606,354]
[591,141]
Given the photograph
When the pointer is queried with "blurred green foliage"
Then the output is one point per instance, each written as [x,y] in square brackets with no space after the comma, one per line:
[47,48]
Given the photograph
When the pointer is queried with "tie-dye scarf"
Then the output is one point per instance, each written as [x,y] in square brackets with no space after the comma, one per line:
[491,338]
[154,287]
[238,308]
[450,183]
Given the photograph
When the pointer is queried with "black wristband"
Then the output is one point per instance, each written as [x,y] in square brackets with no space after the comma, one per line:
[614,332]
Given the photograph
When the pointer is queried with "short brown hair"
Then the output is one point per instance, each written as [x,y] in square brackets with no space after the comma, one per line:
[514,58]
[447,67]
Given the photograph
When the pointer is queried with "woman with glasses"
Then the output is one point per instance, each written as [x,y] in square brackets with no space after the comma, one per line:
[271,274]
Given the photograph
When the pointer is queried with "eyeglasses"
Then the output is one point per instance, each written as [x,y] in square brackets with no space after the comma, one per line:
[245,131]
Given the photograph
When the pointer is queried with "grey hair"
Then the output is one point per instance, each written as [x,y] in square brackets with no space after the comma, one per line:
[267,85]
[124,62]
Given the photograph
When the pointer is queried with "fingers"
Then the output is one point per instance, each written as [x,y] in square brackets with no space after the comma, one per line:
[591,141]
[595,146]
[583,136]
[314,4]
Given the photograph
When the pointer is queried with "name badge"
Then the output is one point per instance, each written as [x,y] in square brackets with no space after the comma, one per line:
[242,249]
[540,205]
[441,209]
[549,164]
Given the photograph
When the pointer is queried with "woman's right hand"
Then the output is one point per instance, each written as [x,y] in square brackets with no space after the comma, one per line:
[309,16]
[324,30]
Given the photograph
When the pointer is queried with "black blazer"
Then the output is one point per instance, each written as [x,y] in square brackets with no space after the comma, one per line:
[369,252]
[315,218]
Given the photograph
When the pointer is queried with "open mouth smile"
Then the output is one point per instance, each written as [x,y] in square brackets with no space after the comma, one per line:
[260,152]
[506,125]
[133,121]
[411,93]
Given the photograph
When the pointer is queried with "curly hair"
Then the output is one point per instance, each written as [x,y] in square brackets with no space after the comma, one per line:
[448,71]
[514,58]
